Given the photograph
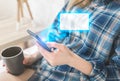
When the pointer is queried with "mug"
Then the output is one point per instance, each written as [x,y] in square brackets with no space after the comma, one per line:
[13,58]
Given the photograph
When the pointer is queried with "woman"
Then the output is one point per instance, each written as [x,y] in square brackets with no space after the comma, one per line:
[83,56]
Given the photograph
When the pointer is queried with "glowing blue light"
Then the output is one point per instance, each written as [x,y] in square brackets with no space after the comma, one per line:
[74,21]
[68,22]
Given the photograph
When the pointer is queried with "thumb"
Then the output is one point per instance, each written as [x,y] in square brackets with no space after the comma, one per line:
[24,61]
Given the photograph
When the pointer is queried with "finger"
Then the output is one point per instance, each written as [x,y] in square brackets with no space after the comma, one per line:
[24,61]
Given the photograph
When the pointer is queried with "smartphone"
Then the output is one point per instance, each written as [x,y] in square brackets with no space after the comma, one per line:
[39,40]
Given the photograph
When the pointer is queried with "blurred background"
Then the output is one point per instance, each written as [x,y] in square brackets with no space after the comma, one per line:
[43,12]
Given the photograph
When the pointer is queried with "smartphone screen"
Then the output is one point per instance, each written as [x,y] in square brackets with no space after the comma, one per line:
[38,39]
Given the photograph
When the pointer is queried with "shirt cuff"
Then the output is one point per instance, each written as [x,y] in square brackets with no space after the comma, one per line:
[98,67]
[93,69]
[116,61]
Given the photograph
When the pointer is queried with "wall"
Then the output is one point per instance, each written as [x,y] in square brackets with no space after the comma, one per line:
[7,8]
[44,11]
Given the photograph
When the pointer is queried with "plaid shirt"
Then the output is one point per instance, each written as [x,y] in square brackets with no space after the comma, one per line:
[100,46]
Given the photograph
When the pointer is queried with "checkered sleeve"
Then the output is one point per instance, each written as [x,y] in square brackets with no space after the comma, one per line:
[99,42]
[116,57]
[114,64]
[101,70]
[98,72]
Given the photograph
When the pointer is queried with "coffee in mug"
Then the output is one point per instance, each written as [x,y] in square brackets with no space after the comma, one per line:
[13,58]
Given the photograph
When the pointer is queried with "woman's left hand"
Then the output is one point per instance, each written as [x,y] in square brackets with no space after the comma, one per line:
[62,55]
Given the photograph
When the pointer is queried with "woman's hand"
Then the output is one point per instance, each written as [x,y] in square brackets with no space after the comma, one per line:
[62,55]
[31,55]
[28,60]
